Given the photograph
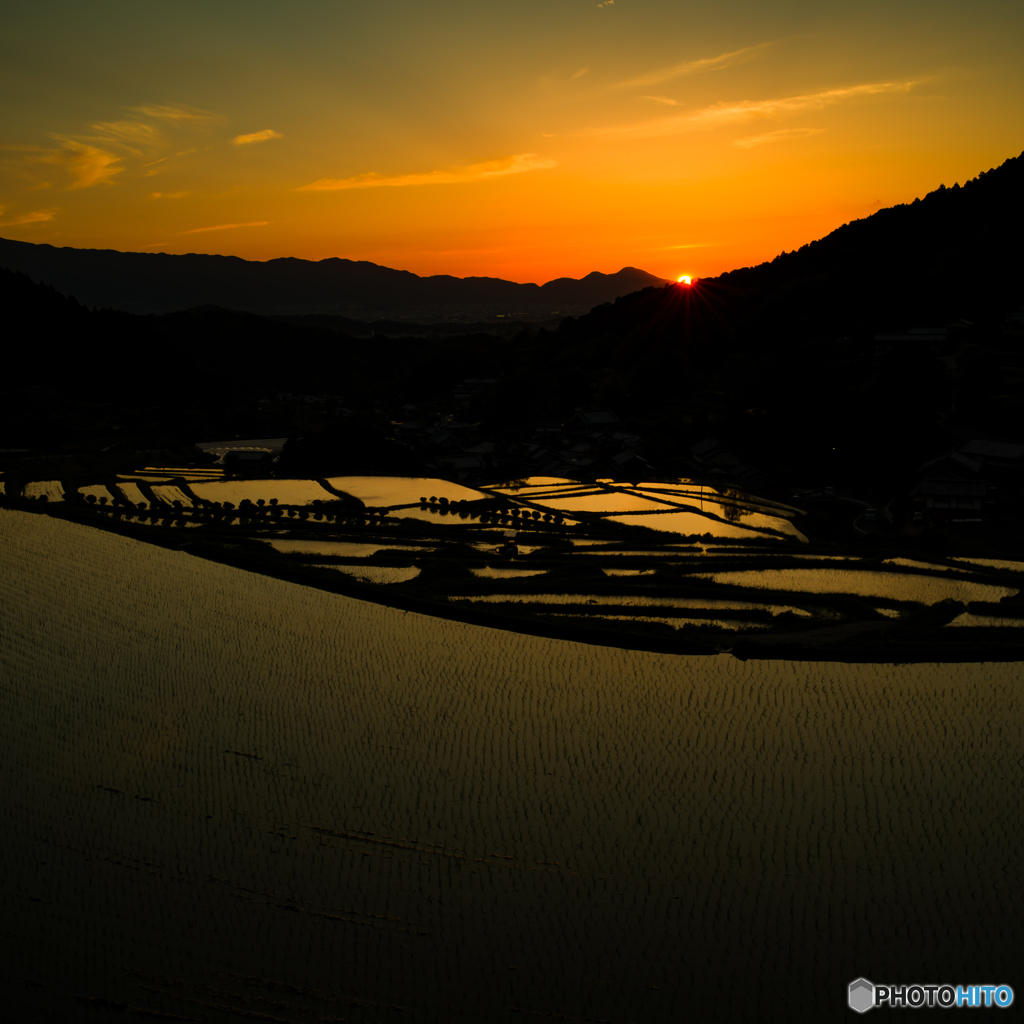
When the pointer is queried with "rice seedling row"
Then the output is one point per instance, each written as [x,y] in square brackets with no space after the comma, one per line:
[229,797]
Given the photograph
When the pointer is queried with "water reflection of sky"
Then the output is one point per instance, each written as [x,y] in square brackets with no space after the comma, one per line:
[287,492]
[132,493]
[338,548]
[96,491]
[897,586]
[382,491]
[50,489]
[967,619]
[690,524]
[496,573]
[433,514]
[533,483]
[633,601]
[701,510]
[380,574]
[601,503]
[994,563]
[169,493]
[680,623]
[681,507]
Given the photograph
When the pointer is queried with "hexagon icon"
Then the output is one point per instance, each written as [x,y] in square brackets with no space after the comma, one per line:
[862,995]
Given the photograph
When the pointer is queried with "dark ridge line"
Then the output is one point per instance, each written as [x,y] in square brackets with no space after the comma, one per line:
[742,649]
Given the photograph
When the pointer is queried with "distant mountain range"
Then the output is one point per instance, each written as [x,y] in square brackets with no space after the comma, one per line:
[159,283]
[779,361]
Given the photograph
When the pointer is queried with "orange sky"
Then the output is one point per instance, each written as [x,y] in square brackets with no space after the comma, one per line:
[525,141]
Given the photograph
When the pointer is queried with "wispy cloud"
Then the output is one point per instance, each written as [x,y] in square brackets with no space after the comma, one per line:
[517,164]
[780,136]
[85,165]
[661,99]
[137,133]
[263,136]
[748,110]
[167,195]
[101,153]
[36,217]
[581,72]
[694,67]
[607,3]
[179,114]
[225,227]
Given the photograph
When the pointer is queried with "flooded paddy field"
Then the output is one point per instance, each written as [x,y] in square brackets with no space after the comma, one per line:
[586,561]
[227,797]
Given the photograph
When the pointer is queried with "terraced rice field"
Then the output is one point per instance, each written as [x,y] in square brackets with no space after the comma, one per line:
[170,493]
[567,573]
[229,798]
[911,587]
[379,574]
[636,601]
[131,491]
[96,491]
[285,492]
[994,563]
[975,621]
[489,572]
[50,489]
[685,508]
[156,474]
[390,490]
[433,514]
[693,524]
[339,548]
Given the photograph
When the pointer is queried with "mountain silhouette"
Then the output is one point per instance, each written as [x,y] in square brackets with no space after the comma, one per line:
[954,254]
[779,360]
[158,282]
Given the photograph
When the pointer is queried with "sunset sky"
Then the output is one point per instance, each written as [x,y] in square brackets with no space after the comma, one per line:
[527,140]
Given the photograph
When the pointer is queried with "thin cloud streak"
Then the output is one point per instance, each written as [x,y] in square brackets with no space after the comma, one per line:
[37,217]
[694,67]
[780,136]
[518,164]
[137,132]
[263,136]
[746,110]
[225,227]
[179,114]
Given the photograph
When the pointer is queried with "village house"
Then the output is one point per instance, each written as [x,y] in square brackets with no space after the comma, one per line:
[953,487]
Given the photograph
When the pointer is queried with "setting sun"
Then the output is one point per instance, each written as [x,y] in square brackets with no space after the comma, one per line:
[685,279]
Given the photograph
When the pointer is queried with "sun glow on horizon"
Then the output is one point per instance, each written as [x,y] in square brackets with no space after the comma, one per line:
[636,136]
[685,279]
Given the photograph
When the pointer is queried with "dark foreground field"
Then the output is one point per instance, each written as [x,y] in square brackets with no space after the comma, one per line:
[225,797]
